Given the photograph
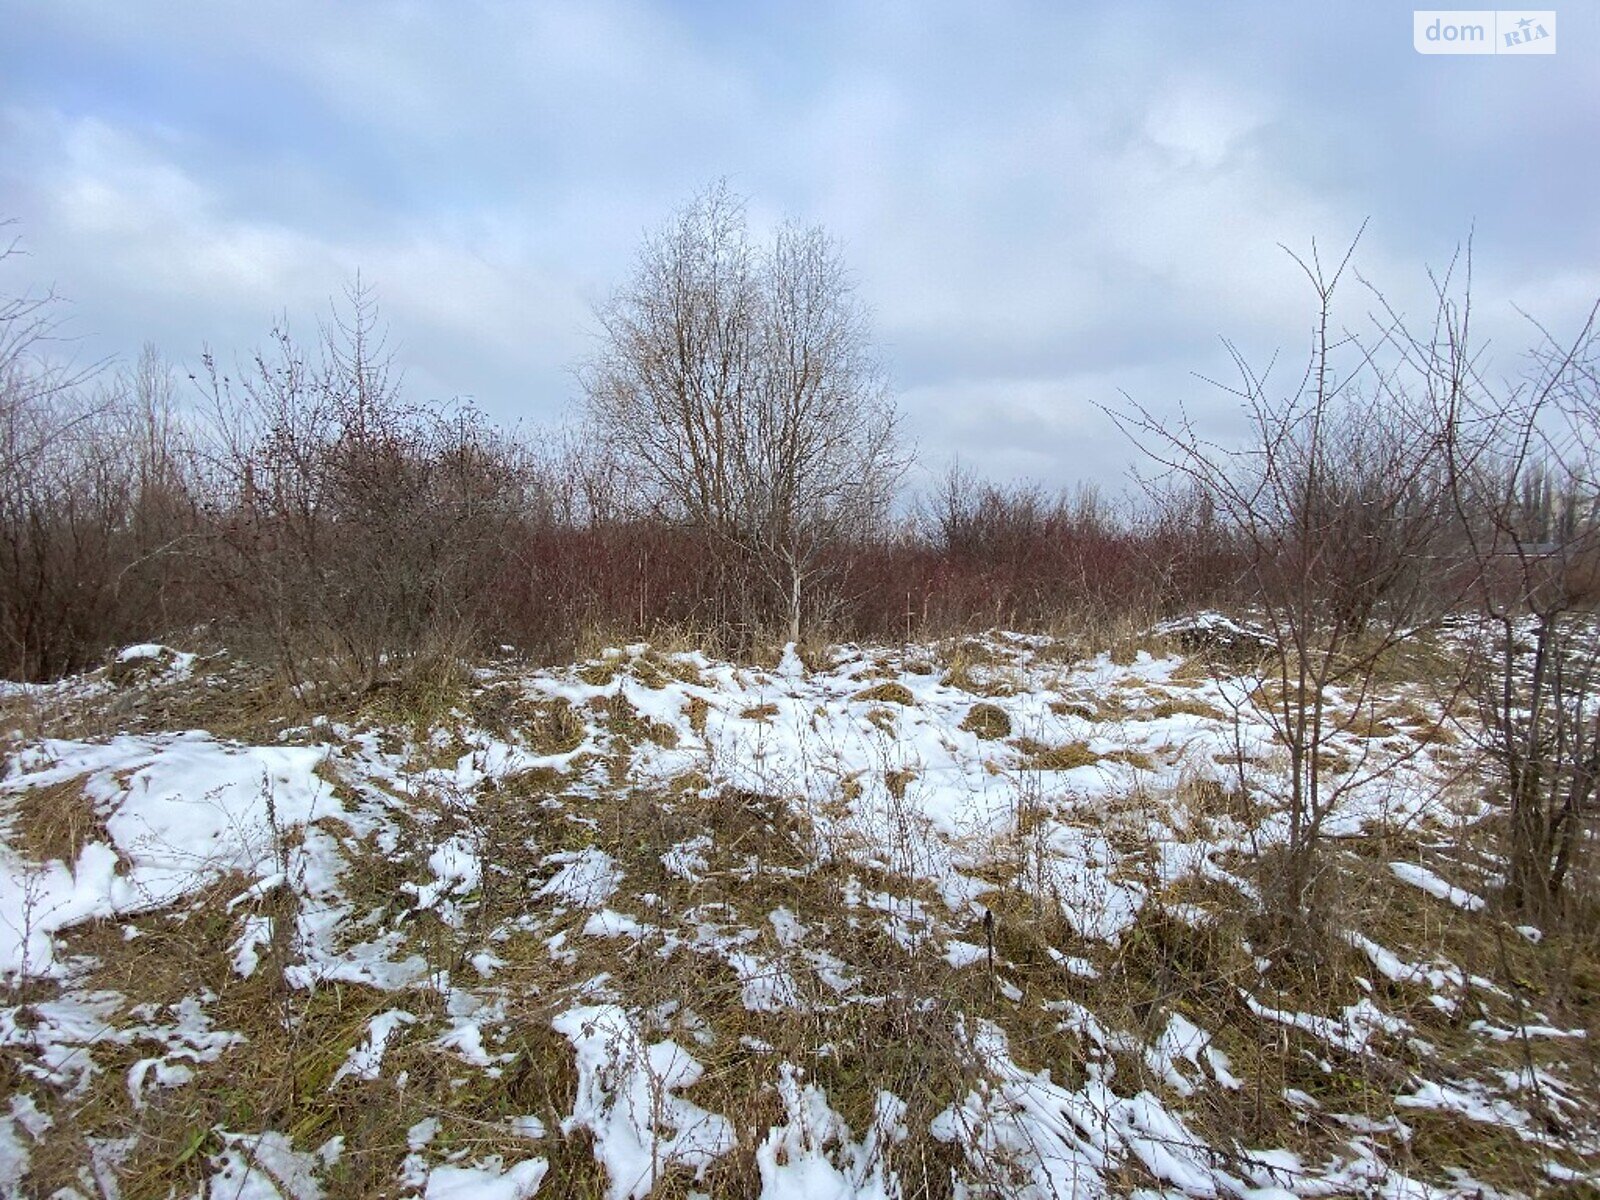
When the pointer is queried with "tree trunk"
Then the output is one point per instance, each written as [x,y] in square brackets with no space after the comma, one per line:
[794,603]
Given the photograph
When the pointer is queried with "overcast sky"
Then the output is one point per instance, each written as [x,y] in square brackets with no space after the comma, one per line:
[1044,205]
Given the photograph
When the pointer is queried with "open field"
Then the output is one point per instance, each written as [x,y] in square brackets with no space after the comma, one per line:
[985,917]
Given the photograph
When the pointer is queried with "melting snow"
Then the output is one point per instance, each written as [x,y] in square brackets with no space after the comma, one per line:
[1420,877]
[625,1100]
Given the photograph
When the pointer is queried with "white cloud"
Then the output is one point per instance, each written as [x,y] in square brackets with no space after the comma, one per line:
[1043,206]
[151,241]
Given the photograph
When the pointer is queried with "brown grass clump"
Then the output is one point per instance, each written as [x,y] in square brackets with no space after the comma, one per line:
[976,652]
[1042,757]
[650,671]
[883,718]
[698,709]
[962,677]
[555,727]
[1125,648]
[1137,759]
[897,782]
[228,698]
[1420,725]
[1209,799]
[886,693]
[1115,705]
[602,670]
[494,708]
[56,822]
[126,672]
[626,722]
[759,712]
[421,697]
[1193,670]
[1181,706]
[1073,708]
[988,721]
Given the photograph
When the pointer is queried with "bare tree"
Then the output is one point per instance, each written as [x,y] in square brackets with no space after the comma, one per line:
[90,490]
[1524,466]
[737,382]
[31,375]
[1337,503]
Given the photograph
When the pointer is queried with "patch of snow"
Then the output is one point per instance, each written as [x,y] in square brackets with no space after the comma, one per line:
[766,984]
[179,810]
[1420,877]
[23,1119]
[1063,1142]
[364,1061]
[964,954]
[457,870]
[687,859]
[813,1155]
[256,934]
[587,878]
[266,1166]
[625,1099]
[489,1180]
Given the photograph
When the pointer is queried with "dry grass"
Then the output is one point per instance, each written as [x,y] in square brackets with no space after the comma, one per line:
[908,1041]
[1196,949]
[988,721]
[887,693]
[979,681]
[1125,645]
[1073,708]
[982,667]
[552,727]
[600,672]
[1175,706]
[1038,756]
[54,823]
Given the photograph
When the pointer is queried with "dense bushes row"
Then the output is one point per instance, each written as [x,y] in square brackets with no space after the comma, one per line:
[303,508]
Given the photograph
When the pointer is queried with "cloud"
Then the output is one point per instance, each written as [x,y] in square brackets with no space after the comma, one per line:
[1045,206]
[475,312]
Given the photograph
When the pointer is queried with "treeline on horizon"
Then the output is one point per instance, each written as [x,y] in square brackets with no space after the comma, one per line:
[298,505]
[311,514]
[734,477]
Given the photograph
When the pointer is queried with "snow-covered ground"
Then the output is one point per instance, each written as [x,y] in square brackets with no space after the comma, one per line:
[968,920]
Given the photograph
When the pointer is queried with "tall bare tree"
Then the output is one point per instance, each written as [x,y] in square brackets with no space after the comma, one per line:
[737,381]
[1337,502]
[1524,463]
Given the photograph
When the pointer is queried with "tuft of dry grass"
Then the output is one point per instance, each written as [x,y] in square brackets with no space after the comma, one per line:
[980,682]
[1068,756]
[55,822]
[599,672]
[1073,708]
[988,721]
[1039,756]
[1176,706]
[887,693]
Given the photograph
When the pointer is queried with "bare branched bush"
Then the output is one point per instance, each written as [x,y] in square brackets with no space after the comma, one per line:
[1525,482]
[1338,503]
[93,497]
[351,526]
